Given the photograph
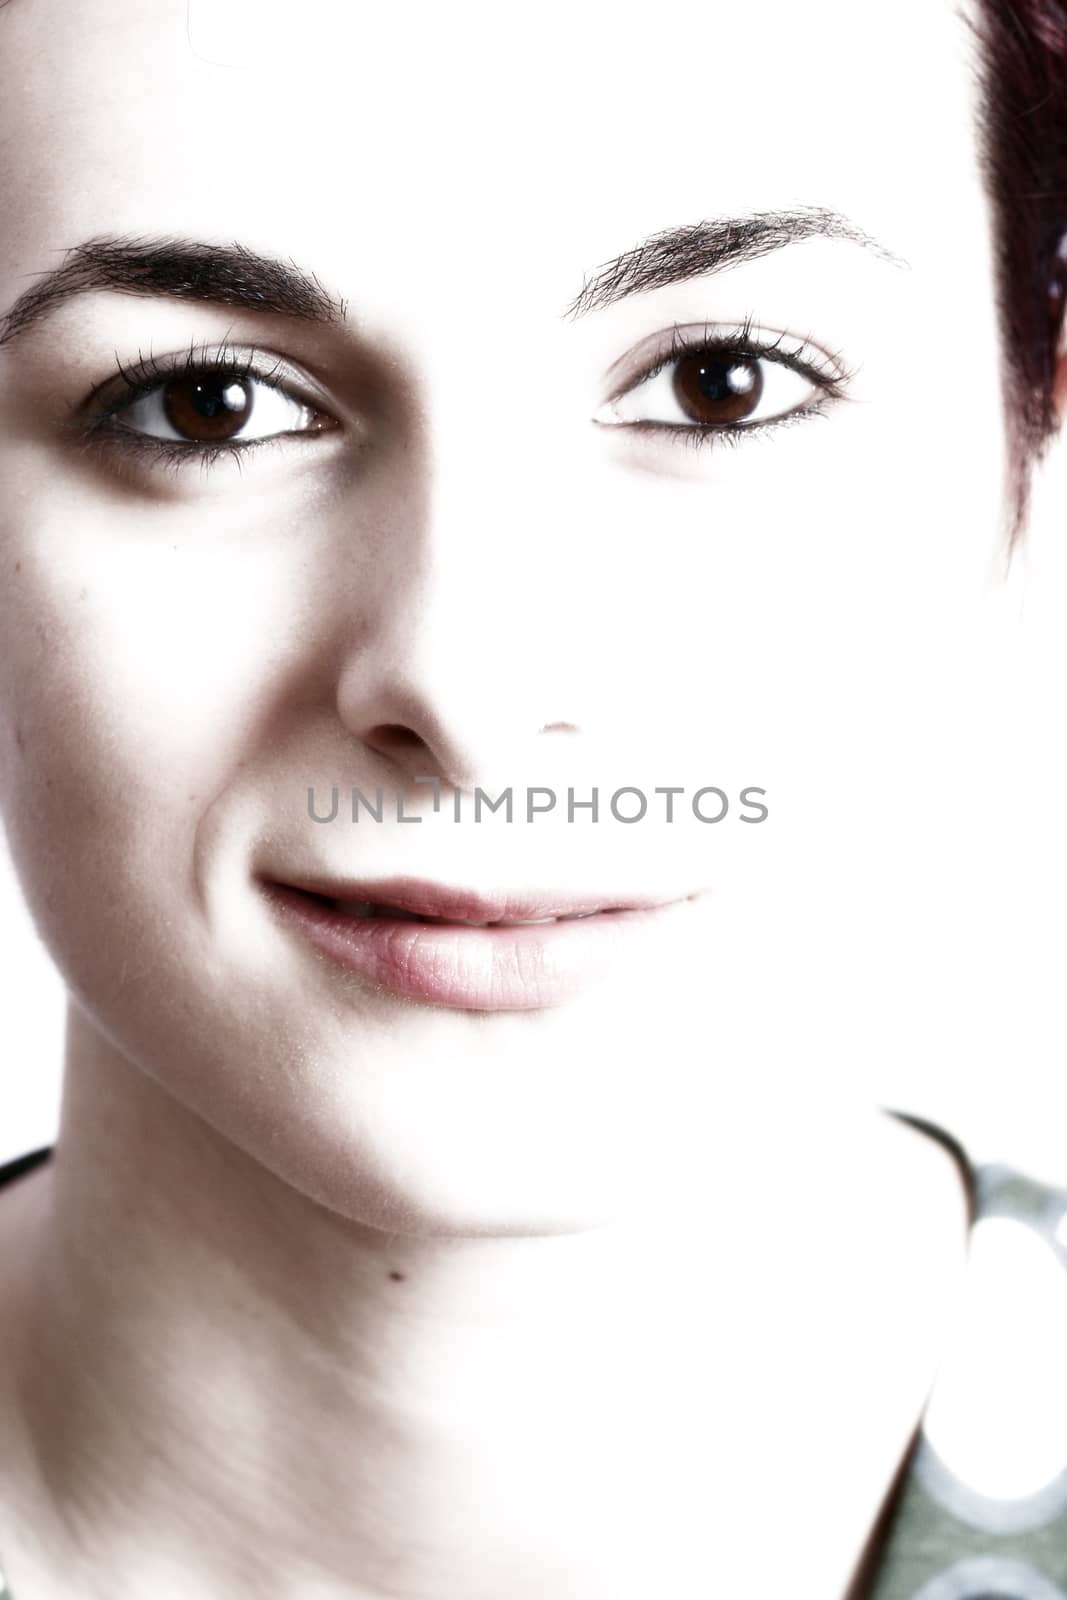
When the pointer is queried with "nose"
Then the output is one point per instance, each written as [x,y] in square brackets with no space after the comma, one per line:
[450,670]
[444,753]
[430,715]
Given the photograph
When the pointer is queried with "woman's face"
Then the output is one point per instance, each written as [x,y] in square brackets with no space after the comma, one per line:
[338,456]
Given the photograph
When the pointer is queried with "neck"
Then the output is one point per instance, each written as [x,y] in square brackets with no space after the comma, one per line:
[231,1389]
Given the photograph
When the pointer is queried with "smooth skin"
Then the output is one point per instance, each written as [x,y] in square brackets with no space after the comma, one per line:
[329,1293]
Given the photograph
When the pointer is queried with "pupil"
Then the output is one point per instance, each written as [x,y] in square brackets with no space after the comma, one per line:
[210,401]
[721,382]
[207,408]
[718,388]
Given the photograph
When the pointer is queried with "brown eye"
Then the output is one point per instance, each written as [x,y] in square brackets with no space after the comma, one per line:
[722,387]
[217,408]
[207,407]
[718,387]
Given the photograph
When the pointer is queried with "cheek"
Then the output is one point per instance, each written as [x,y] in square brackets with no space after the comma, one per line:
[128,694]
[757,593]
[813,608]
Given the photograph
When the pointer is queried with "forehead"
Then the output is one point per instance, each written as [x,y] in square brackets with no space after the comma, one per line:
[395,148]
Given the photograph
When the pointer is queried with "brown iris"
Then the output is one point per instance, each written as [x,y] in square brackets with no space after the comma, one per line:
[206,407]
[713,387]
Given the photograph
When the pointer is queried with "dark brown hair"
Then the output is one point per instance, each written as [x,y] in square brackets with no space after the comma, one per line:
[1023,138]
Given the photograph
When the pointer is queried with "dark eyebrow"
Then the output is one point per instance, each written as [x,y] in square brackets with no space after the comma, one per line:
[699,248]
[178,269]
[233,275]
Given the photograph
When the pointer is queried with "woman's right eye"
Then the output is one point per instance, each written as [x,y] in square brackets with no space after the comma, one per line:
[206,407]
[201,404]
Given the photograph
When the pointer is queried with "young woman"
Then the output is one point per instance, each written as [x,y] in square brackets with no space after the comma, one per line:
[401,411]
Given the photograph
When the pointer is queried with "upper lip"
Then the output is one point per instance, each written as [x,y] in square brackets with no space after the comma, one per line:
[469,905]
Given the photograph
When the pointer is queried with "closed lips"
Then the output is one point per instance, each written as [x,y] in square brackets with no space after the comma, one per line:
[371,908]
[398,898]
[472,950]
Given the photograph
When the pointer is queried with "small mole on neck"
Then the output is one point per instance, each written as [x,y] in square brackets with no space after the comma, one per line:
[397,1277]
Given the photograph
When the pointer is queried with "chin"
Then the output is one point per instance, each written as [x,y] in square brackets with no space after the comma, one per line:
[431,1170]
[403,1118]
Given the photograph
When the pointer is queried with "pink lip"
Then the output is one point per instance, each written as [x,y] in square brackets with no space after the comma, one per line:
[477,969]
[427,899]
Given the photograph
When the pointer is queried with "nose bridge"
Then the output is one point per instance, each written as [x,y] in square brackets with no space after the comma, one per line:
[448,669]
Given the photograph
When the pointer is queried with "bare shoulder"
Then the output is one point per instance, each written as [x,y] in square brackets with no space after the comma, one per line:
[23,1201]
[24,1204]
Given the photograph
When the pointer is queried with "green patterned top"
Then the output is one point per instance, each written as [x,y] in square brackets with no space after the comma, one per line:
[945,1540]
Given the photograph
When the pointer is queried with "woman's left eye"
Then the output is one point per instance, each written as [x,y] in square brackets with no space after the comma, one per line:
[206,408]
[719,387]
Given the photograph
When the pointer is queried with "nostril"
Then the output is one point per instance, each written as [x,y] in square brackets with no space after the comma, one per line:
[391,738]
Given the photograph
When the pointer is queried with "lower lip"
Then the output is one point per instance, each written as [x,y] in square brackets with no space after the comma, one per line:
[471,969]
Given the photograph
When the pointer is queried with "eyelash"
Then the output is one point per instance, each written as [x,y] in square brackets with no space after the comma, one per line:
[150,372]
[746,343]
